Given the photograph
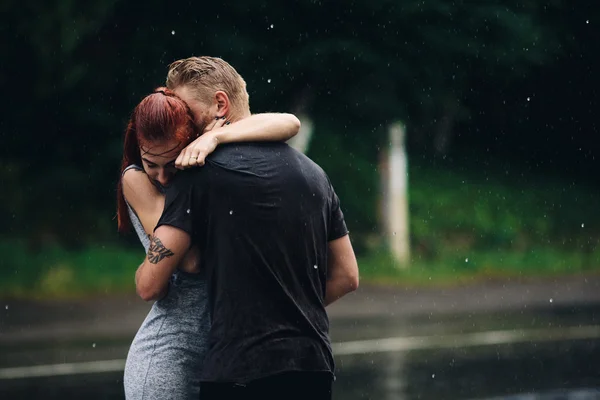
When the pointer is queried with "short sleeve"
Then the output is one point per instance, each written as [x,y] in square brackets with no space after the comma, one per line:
[337,224]
[179,203]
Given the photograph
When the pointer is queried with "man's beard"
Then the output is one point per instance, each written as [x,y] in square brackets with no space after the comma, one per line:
[202,125]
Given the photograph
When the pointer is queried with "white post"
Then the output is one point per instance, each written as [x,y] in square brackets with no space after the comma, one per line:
[394,379]
[396,214]
[301,141]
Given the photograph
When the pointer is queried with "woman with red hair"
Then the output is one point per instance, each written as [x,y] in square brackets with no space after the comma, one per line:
[165,357]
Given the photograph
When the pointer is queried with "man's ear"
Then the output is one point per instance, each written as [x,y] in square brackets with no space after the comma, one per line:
[223,105]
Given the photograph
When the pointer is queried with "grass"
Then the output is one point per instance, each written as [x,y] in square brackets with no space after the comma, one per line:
[100,270]
[466,224]
[379,267]
[55,272]
[473,209]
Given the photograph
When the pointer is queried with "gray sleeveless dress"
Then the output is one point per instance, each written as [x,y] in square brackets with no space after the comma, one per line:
[165,358]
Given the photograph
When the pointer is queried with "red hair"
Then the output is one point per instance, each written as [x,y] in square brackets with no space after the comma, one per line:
[160,116]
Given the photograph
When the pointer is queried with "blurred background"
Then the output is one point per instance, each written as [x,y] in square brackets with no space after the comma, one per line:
[460,137]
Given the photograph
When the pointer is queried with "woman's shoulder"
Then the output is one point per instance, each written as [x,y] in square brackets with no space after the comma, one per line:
[134,167]
[133,180]
[134,175]
[137,186]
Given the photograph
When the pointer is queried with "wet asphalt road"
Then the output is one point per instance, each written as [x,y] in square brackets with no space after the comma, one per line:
[529,368]
[517,341]
[551,371]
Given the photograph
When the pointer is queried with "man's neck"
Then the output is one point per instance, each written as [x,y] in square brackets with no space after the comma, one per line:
[235,116]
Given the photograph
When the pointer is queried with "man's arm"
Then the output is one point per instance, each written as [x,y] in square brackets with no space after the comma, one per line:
[342,268]
[168,246]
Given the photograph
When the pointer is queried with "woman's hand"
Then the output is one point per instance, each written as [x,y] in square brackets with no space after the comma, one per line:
[267,127]
[196,152]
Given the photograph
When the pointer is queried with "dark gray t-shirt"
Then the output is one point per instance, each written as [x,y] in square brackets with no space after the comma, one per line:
[262,215]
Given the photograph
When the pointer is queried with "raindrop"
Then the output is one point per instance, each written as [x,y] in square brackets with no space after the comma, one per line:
[394,233]
[433,375]
[6,306]
[187,211]
[466,260]
[551,300]
[271,26]
[582,225]
[316,266]
[268,80]
[231,212]
[587,21]
[529,99]
[94,345]
[172,32]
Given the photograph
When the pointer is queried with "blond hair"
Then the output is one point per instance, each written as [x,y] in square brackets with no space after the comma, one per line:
[206,75]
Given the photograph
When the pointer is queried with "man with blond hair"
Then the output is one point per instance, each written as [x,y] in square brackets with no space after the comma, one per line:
[198,81]
[273,245]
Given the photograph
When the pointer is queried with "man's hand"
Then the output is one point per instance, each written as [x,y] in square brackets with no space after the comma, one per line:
[196,152]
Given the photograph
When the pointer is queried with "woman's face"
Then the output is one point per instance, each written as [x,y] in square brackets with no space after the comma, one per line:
[158,160]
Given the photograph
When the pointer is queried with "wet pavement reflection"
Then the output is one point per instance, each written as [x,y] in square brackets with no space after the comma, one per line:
[558,370]
[501,365]
[475,373]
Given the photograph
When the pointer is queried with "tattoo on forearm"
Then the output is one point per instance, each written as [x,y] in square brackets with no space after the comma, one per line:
[157,251]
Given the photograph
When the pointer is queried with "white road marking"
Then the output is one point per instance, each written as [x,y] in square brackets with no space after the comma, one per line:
[465,340]
[392,344]
[36,371]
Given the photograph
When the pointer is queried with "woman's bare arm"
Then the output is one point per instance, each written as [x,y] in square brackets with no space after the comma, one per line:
[143,197]
[268,127]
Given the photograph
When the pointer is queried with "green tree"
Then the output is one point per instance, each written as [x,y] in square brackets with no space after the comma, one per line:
[75,70]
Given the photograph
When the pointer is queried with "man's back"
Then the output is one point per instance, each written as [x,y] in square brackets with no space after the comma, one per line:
[263,215]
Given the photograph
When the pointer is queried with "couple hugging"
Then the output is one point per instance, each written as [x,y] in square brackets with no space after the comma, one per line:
[246,245]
